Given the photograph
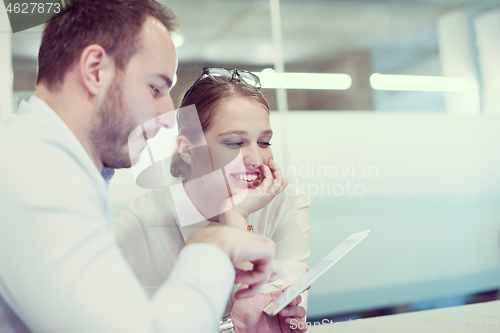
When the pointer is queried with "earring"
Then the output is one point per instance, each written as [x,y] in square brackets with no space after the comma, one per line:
[189,160]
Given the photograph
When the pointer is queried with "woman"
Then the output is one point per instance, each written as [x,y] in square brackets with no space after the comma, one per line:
[225,174]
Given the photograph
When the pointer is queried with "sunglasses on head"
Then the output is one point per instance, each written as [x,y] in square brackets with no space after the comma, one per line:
[221,74]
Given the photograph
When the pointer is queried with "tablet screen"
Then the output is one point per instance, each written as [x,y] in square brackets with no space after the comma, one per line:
[315,272]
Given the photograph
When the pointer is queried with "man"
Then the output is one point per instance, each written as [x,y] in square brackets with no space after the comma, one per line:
[105,68]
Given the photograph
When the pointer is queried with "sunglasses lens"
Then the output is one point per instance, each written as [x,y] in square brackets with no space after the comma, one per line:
[250,79]
[218,73]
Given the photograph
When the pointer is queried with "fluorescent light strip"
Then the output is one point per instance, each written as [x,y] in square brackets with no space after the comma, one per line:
[270,80]
[418,83]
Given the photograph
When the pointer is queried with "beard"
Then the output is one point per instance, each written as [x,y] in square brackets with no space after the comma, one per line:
[112,127]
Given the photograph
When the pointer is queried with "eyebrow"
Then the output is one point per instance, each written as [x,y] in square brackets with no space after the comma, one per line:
[166,79]
[233,132]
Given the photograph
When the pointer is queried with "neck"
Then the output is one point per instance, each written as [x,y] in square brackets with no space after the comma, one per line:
[76,111]
[207,201]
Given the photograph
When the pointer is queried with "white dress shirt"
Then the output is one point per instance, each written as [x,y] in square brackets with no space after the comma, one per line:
[60,267]
[150,235]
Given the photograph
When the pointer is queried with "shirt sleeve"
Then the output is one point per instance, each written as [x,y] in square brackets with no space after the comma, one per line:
[62,271]
[292,241]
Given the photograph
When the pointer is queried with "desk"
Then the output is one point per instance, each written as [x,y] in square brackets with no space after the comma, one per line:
[454,319]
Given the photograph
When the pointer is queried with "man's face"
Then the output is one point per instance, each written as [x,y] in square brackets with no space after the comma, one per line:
[140,93]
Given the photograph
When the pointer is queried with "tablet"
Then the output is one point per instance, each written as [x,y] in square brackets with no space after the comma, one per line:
[314,273]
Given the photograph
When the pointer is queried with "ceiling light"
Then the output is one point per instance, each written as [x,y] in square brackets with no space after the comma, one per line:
[272,80]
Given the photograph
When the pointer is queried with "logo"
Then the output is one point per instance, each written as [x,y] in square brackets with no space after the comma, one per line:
[26,14]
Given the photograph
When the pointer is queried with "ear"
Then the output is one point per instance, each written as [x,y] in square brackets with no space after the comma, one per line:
[184,147]
[96,68]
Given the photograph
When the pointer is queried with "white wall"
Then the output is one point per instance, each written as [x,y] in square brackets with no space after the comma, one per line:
[431,207]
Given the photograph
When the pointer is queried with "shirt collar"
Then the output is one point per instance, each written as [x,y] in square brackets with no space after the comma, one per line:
[36,104]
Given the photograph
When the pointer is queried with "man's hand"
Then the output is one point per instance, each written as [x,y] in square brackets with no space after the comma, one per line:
[242,246]
[248,316]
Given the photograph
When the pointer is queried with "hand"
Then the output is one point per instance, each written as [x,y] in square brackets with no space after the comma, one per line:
[248,316]
[254,199]
[242,246]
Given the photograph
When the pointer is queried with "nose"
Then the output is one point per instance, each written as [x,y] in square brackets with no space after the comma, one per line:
[166,120]
[252,157]
[166,114]
[165,117]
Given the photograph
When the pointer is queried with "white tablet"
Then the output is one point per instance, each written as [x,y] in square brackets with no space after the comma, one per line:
[314,273]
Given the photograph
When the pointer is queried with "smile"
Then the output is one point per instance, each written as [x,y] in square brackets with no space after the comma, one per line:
[245,176]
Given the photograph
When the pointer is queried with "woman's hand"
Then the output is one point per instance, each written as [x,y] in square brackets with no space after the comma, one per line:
[248,316]
[254,199]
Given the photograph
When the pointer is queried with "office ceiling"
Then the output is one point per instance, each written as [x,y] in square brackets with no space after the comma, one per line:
[239,31]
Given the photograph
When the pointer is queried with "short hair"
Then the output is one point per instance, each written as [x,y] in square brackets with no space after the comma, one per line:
[113,24]
[207,95]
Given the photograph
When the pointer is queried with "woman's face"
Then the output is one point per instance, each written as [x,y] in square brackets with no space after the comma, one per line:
[239,142]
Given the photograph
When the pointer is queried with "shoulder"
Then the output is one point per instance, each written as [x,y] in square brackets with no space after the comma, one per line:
[28,128]
[39,147]
[285,205]
[286,216]
[150,199]
[146,209]
[43,179]
[291,198]
[36,162]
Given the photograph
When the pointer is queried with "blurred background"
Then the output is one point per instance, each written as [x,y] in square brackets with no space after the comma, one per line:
[404,142]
